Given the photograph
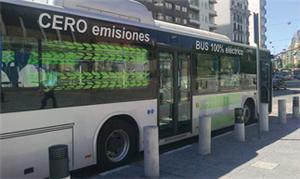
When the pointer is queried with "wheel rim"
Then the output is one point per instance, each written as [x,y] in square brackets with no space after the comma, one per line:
[117,145]
[247,113]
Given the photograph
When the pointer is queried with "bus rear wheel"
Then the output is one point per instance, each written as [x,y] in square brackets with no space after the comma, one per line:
[249,113]
[116,144]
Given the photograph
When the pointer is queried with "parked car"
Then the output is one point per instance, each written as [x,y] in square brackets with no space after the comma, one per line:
[297,76]
[287,75]
[279,83]
[283,75]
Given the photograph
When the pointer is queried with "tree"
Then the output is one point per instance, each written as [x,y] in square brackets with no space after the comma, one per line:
[289,66]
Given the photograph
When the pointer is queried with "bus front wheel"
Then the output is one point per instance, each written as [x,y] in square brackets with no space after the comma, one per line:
[116,144]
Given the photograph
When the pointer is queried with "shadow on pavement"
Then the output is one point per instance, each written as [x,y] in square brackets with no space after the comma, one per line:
[227,155]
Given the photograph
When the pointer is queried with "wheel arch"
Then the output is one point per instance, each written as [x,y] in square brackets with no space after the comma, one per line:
[126,118]
[250,101]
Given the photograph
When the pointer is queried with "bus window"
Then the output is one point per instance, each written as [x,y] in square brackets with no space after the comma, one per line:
[229,76]
[207,73]
[248,73]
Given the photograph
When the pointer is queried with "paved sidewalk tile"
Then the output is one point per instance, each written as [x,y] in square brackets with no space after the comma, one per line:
[276,154]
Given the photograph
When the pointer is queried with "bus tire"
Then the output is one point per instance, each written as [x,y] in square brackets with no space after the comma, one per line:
[116,144]
[249,112]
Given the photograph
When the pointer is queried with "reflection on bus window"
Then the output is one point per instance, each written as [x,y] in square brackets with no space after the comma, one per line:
[166,77]
[224,73]
[248,73]
[229,73]
[77,73]
[207,73]
[96,66]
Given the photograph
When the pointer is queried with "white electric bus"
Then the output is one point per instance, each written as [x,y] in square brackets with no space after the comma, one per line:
[74,73]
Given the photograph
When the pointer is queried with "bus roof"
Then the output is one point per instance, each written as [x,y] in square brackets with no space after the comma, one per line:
[190,31]
[136,14]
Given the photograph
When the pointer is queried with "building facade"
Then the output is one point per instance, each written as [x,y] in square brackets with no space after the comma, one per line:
[289,58]
[202,14]
[295,49]
[173,11]
[233,19]
[258,6]
[199,14]
[292,54]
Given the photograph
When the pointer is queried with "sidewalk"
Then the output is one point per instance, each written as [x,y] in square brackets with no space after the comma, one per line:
[275,155]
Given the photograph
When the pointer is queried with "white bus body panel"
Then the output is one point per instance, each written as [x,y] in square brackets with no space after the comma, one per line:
[31,151]
[86,122]
[219,106]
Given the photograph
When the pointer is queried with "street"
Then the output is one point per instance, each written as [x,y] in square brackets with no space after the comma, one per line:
[274,154]
[149,88]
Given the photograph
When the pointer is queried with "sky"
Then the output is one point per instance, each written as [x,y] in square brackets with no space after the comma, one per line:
[283,20]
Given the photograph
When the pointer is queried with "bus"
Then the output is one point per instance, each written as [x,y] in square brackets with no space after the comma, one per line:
[75,74]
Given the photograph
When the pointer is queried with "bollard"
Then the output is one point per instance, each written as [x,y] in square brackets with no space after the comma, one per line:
[58,162]
[282,111]
[264,117]
[239,125]
[296,114]
[204,147]
[151,151]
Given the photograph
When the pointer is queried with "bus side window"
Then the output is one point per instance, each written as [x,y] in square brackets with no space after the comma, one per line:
[207,73]
[229,78]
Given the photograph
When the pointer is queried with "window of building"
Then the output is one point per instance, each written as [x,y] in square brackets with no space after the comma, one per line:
[160,16]
[235,36]
[158,3]
[178,20]
[169,18]
[177,7]
[184,9]
[194,16]
[169,5]
[184,21]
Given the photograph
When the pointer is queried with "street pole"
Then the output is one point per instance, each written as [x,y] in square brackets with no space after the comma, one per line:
[258,88]
[257,41]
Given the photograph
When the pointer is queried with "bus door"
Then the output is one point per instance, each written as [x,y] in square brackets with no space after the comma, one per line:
[174,93]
